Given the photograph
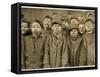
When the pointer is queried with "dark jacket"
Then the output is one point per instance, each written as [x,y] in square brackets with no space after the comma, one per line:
[22,51]
[89,42]
[77,52]
[56,53]
[33,51]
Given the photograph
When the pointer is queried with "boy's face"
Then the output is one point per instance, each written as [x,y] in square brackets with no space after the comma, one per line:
[24,27]
[56,28]
[35,27]
[92,17]
[74,33]
[89,26]
[47,23]
[69,16]
[54,15]
[74,21]
[82,28]
[65,24]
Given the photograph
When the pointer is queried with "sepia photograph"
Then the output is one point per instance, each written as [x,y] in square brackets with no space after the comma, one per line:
[54,38]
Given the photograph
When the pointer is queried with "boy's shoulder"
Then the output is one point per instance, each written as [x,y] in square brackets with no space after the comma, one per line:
[62,37]
[30,37]
[49,37]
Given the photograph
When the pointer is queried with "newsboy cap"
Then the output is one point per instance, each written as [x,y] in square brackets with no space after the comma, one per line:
[57,21]
[73,26]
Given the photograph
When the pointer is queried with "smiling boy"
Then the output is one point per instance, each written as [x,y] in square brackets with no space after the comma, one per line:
[25,31]
[34,46]
[89,38]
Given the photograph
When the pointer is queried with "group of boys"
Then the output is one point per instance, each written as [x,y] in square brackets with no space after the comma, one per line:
[57,43]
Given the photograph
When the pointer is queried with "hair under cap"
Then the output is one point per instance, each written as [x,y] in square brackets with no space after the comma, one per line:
[38,21]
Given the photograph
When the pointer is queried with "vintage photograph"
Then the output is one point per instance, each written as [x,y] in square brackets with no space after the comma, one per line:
[53,38]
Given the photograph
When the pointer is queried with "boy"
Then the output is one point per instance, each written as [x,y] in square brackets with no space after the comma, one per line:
[74,21]
[56,54]
[91,16]
[65,27]
[34,46]
[77,50]
[47,25]
[81,29]
[25,31]
[89,38]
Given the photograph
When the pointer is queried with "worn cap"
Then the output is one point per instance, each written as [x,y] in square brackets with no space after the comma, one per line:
[57,21]
[73,26]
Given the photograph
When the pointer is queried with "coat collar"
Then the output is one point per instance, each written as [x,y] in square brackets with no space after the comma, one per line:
[58,37]
[78,40]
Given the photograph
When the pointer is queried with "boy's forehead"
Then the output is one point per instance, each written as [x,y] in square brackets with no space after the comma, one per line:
[88,22]
[74,19]
[56,24]
[35,24]
[47,19]
[74,29]
[24,23]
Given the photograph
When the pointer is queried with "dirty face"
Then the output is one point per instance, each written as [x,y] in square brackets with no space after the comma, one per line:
[54,15]
[92,17]
[74,21]
[24,27]
[74,33]
[47,23]
[69,16]
[56,28]
[65,24]
[36,28]
[89,26]
[81,28]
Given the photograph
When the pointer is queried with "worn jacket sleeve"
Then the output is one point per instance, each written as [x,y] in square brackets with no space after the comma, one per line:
[22,54]
[46,61]
[83,55]
[65,54]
